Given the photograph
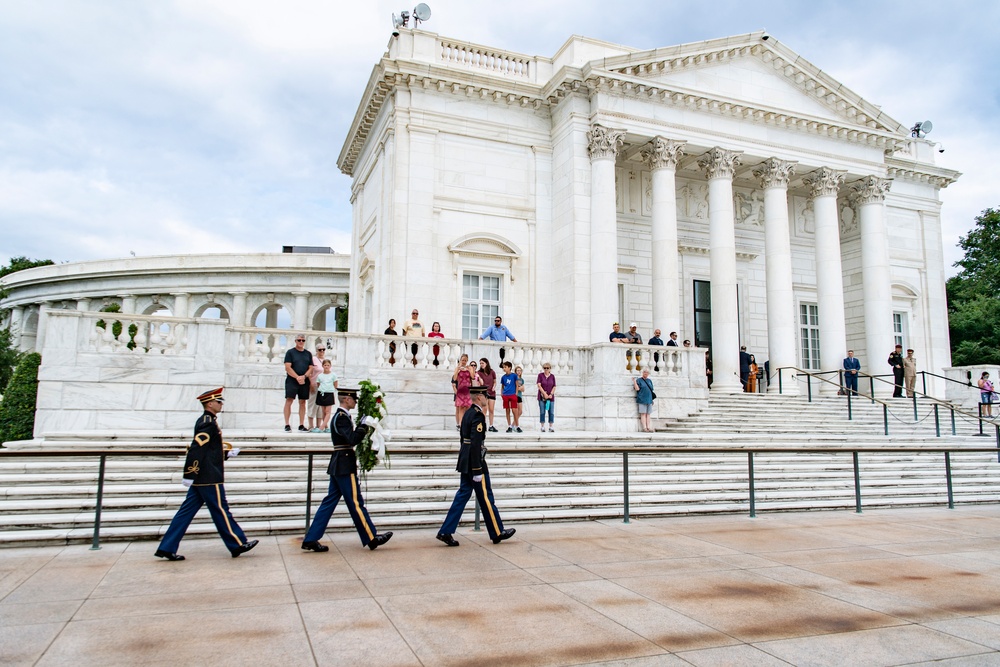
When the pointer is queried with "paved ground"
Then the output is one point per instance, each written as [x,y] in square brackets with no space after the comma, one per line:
[887,587]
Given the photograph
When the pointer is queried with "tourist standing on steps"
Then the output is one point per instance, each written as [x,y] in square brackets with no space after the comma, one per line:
[508,391]
[298,367]
[910,373]
[461,381]
[498,331]
[744,367]
[616,335]
[488,379]
[752,376]
[546,382]
[656,340]
[391,331]
[986,394]
[343,472]
[644,399]
[326,394]
[673,339]
[851,368]
[475,477]
[414,329]
[314,412]
[436,333]
[896,361]
[203,478]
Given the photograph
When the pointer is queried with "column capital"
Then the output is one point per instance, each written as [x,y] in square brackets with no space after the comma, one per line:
[720,163]
[774,173]
[870,190]
[824,181]
[662,153]
[603,142]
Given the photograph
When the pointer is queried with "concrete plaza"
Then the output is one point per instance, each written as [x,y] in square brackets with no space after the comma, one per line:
[889,587]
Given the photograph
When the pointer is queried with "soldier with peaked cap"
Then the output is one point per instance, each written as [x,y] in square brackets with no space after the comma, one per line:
[343,472]
[203,477]
[475,476]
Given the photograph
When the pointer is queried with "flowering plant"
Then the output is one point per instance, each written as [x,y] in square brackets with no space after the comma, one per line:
[372,450]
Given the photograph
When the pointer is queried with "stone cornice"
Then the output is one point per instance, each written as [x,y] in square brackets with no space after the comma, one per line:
[910,170]
[688,247]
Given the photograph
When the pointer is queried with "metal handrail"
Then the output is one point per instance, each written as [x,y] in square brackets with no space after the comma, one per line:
[623,451]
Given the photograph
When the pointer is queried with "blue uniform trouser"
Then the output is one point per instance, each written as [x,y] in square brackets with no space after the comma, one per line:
[851,383]
[213,495]
[487,506]
[345,486]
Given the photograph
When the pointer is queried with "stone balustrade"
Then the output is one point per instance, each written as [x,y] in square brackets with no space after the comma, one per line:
[491,60]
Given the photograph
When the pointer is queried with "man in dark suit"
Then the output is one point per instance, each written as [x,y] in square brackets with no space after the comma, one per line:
[343,472]
[475,476]
[203,478]
[744,366]
[896,361]
[851,368]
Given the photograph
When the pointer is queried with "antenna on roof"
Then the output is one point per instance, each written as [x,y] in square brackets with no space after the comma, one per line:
[921,130]
[420,13]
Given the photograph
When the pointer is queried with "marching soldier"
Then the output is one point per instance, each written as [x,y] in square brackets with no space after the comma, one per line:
[475,476]
[343,472]
[203,477]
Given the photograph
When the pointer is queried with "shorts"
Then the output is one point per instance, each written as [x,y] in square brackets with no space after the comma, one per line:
[510,402]
[520,399]
[295,390]
[645,408]
[986,397]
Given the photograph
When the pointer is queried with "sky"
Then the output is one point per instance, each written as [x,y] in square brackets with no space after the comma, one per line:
[193,126]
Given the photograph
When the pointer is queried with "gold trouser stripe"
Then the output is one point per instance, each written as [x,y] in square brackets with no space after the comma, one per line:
[357,507]
[225,514]
[491,514]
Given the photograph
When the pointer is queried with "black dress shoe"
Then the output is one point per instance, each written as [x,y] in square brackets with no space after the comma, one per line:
[505,535]
[160,553]
[243,548]
[380,540]
[315,546]
[447,539]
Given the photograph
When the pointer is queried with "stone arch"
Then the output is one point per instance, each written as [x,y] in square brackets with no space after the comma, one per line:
[272,315]
[212,310]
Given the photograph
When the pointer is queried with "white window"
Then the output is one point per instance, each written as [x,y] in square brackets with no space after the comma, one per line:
[480,303]
[899,331]
[809,335]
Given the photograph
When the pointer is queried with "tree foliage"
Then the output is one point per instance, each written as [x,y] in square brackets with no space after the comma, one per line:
[974,295]
[10,355]
[21,263]
[17,411]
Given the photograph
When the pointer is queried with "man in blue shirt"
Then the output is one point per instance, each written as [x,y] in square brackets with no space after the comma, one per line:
[498,331]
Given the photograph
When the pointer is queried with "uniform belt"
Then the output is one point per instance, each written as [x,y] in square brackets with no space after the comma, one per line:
[343,449]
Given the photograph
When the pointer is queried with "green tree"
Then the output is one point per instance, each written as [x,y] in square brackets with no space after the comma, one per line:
[9,355]
[21,263]
[342,315]
[974,295]
[17,411]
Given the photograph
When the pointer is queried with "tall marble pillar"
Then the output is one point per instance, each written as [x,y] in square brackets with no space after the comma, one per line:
[16,326]
[869,197]
[661,156]
[301,311]
[774,175]
[238,317]
[603,144]
[719,165]
[180,308]
[43,319]
[824,184]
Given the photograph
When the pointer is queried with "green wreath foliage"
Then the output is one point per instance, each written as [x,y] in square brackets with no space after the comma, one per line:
[371,403]
[17,411]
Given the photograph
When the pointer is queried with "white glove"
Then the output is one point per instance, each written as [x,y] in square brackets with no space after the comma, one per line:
[368,420]
[187,483]
[477,478]
[232,454]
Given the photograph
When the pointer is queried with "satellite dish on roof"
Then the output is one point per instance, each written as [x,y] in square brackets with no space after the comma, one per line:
[422,12]
[921,130]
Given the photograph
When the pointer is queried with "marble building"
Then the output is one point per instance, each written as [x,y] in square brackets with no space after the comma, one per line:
[727,189]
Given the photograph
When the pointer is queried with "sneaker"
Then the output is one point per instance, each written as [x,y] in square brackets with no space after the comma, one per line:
[510,429]
[458,427]
[326,430]
[315,430]
[288,429]
[493,429]
[551,430]
[518,429]
[303,428]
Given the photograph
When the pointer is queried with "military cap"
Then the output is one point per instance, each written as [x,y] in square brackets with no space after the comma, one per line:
[211,395]
[473,391]
[349,393]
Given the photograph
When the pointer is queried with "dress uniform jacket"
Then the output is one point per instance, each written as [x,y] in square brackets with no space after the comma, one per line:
[346,436]
[473,434]
[205,455]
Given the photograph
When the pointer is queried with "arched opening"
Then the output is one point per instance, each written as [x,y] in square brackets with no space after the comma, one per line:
[212,311]
[326,318]
[272,316]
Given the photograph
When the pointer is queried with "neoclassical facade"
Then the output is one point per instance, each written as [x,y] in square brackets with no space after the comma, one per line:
[246,290]
[728,190]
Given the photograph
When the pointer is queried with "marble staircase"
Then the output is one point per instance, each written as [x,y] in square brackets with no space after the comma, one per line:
[48,501]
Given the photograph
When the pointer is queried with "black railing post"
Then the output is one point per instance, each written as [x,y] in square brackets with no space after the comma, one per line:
[923,377]
[885,417]
[916,415]
[937,422]
[753,498]
[947,474]
[997,427]
[309,492]
[779,380]
[625,483]
[809,386]
[871,388]
[96,544]
[953,421]
[850,410]
[857,484]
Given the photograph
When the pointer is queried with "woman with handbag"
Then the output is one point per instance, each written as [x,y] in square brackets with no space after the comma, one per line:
[326,394]
[644,396]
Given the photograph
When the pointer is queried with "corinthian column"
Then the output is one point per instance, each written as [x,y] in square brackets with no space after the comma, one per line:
[869,197]
[824,184]
[719,165]
[773,176]
[661,156]
[603,144]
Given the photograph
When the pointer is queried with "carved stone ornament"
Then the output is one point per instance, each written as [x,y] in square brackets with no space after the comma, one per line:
[604,142]
[870,190]
[719,163]
[824,181]
[774,173]
[848,217]
[748,208]
[662,153]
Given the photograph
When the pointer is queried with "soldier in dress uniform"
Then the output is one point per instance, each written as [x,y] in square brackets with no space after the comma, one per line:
[203,477]
[475,476]
[343,472]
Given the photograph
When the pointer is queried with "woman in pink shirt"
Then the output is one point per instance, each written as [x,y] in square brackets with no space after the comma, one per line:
[546,396]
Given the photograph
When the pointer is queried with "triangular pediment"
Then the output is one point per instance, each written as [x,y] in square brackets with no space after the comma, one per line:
[752,71]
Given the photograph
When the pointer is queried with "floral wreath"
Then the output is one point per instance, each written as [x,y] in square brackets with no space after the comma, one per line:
[372,450]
